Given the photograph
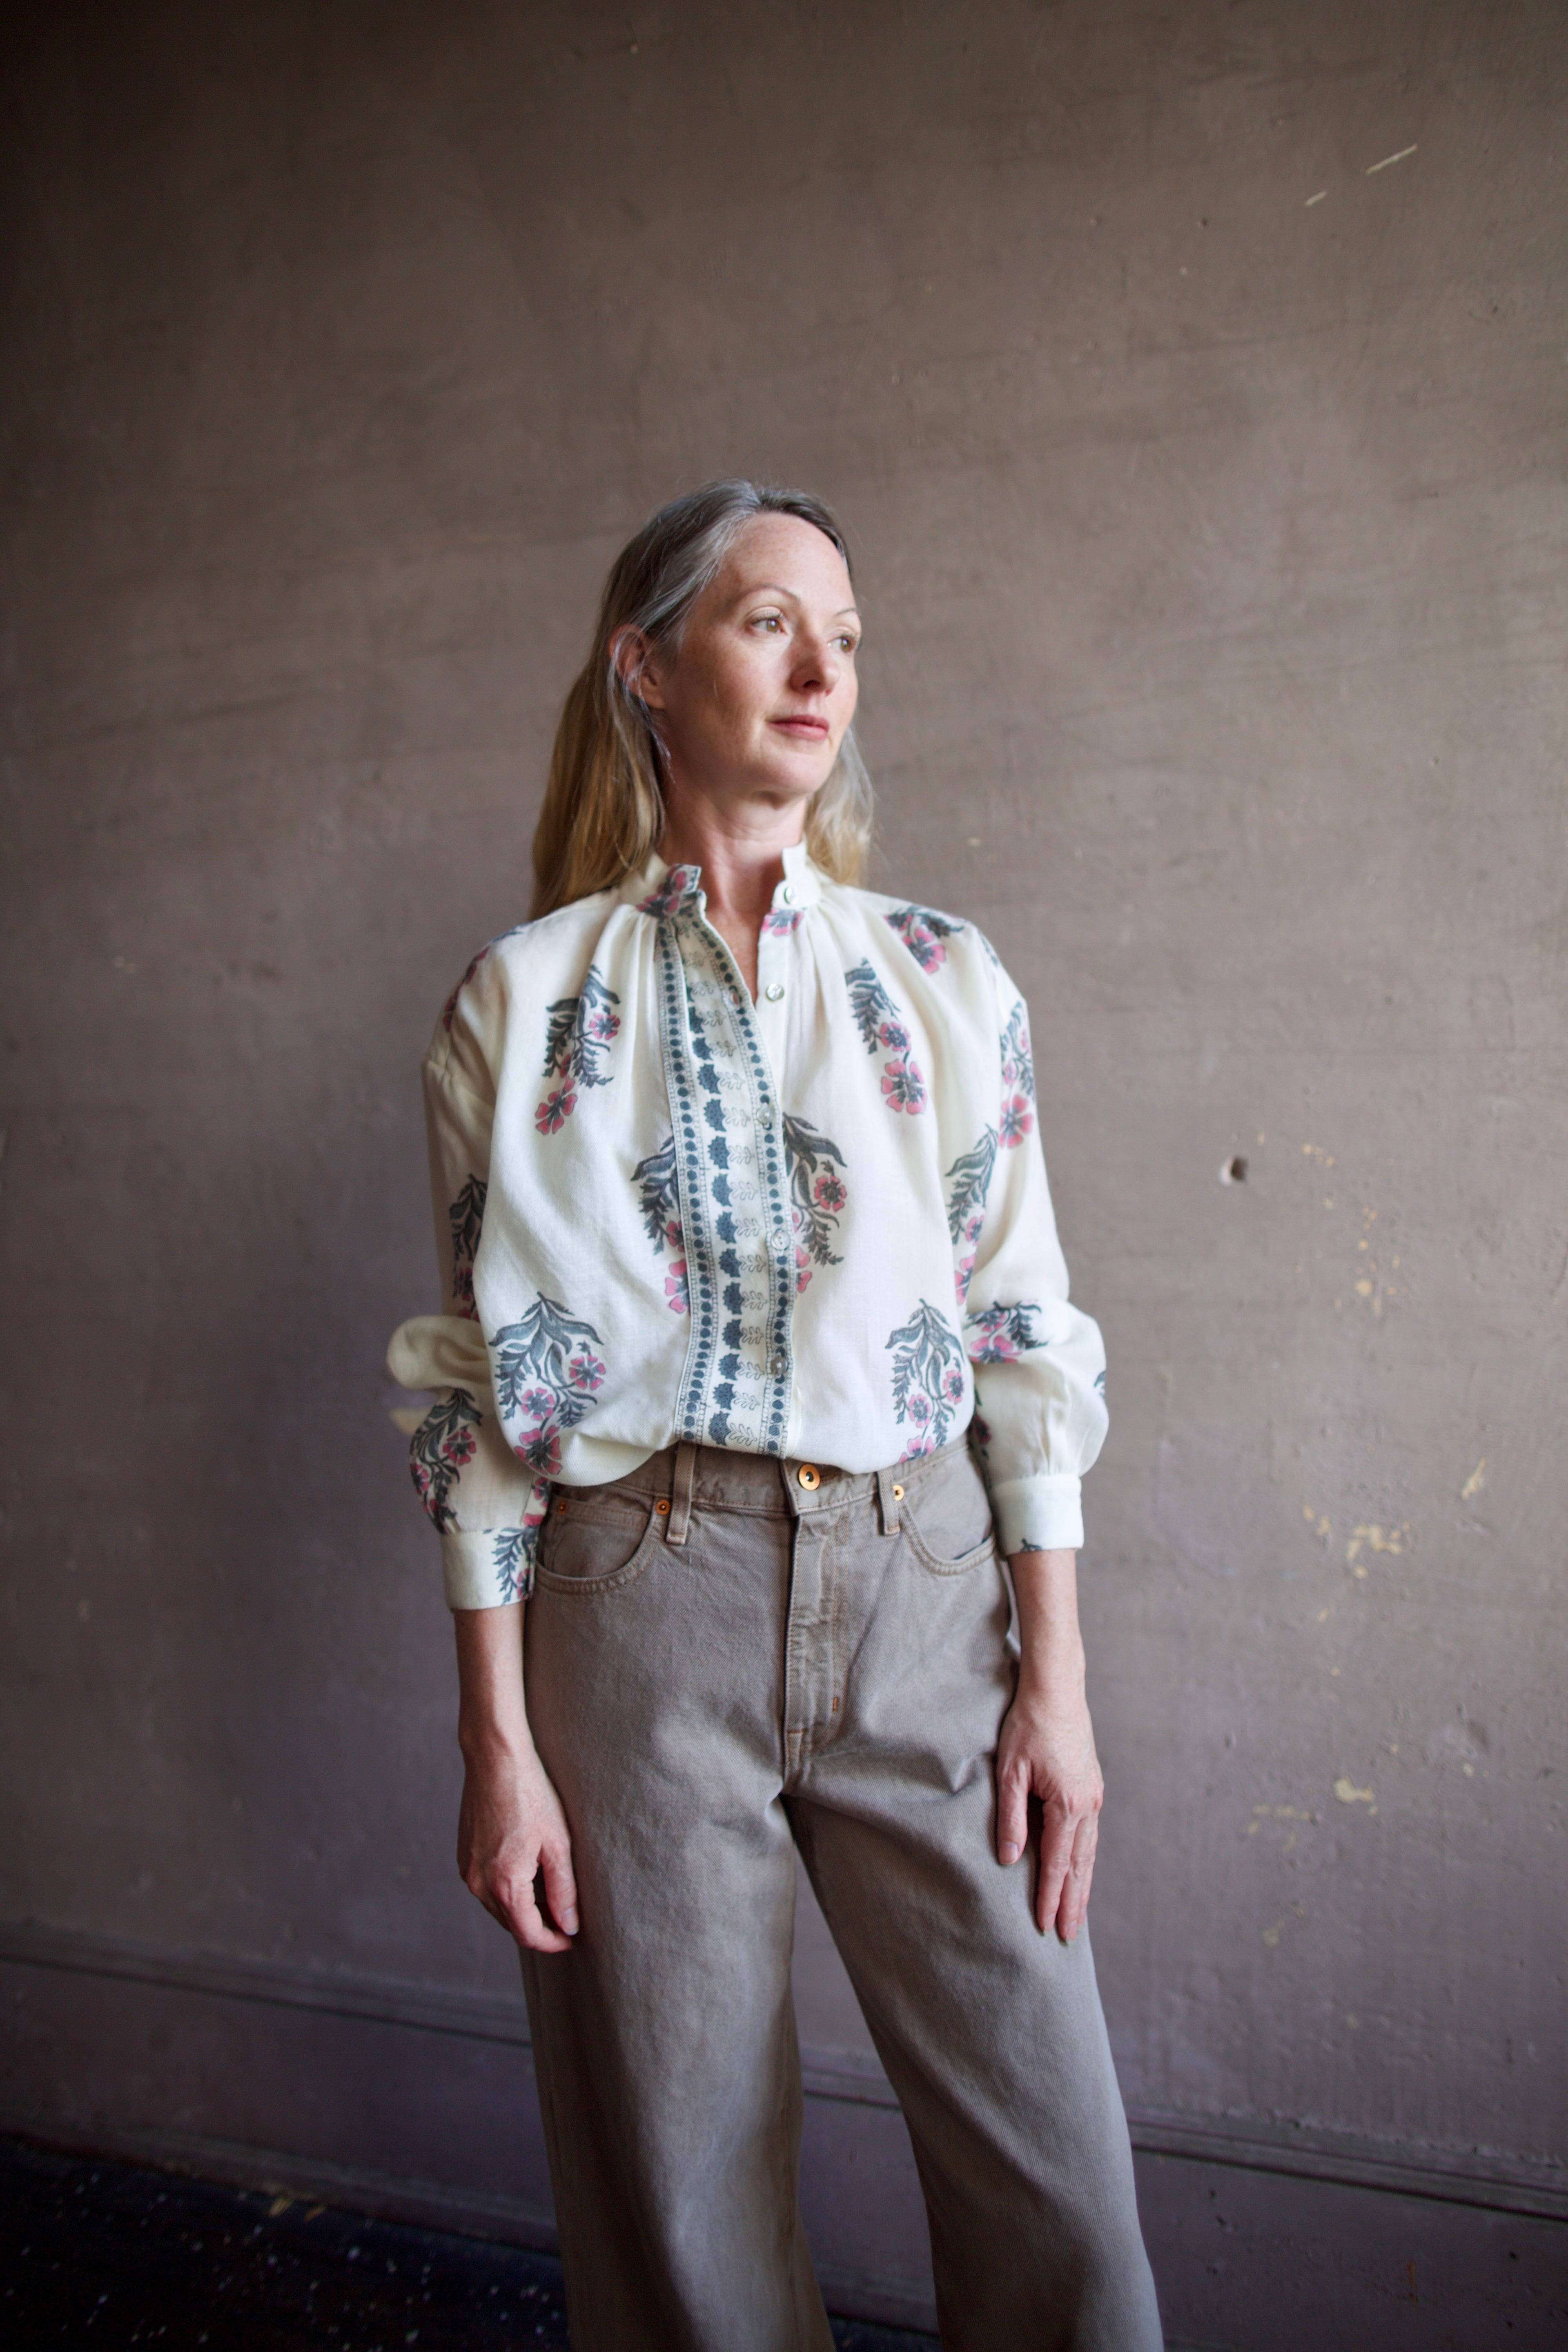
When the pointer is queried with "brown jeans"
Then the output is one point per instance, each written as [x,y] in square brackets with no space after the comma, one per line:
[728,1657]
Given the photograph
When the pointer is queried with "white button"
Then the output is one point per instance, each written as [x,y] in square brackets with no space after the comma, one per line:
[776,1366]
[735,994]
[787,894]
[781,1237]
[773,990]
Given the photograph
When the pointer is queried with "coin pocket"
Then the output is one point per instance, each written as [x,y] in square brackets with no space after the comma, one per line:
[599,1541]
[947,1517]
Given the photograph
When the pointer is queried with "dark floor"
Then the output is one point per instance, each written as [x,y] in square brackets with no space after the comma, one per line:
[106,2255]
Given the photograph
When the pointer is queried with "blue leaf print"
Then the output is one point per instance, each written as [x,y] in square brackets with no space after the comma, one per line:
[466,1217]
[819,1195]
[669,896]
[966,1184]
[997,1334]
[930,1380]
[882,1030]
[443,1442]
[546,1371]
[516,1551]
[925,933]
[1017,1080]
[658,1192]
[579,1032]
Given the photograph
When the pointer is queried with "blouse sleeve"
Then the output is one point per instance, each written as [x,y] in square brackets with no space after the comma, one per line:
[485,1505]
[1039,1361]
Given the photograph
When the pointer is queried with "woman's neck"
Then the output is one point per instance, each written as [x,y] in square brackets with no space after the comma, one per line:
[740,851]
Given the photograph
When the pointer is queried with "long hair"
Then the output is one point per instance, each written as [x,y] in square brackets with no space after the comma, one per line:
[604,809]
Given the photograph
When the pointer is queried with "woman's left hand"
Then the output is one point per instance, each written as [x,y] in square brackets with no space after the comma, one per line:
[1047,1746]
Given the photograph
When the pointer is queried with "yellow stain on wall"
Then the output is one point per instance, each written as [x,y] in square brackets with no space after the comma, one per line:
[1375,1539]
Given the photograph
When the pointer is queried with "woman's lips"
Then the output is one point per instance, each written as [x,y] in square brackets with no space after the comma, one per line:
[812,731]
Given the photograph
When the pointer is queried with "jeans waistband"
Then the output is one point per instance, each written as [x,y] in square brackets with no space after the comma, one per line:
[719,1478]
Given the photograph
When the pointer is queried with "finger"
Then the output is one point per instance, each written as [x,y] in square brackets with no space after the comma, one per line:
[1075,1892]
[560,1884]
[1056,1861]
[1012,1815]
[535,1933]
[520,1914]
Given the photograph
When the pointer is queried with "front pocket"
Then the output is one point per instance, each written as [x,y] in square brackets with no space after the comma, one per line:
[946,1514]
[598,1543]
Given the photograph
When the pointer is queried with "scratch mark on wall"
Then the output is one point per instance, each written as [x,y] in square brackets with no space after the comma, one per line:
[1317,199]
[1390,159]
[1475,1482]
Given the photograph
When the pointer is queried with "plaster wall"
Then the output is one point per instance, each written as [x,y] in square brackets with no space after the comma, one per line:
[1193,380]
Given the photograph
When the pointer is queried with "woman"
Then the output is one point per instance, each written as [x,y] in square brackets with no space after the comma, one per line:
[741,1212]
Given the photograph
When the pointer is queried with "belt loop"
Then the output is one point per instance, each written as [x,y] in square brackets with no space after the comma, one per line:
[684,1480]
[887,1501]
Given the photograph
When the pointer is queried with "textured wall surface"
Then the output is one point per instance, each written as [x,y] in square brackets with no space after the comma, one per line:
[1204,470]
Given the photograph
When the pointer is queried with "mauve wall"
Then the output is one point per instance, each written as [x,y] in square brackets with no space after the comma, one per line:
[1206,491]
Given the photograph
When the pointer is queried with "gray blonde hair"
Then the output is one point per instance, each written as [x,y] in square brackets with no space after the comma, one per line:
[603,808]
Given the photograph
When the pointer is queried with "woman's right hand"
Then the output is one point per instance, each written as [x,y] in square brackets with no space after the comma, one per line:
[511,1831]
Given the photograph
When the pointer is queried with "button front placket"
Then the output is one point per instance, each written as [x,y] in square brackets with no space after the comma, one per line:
[733,1172]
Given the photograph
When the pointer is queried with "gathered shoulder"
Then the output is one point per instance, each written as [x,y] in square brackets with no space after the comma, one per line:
[926,934]
[529,964]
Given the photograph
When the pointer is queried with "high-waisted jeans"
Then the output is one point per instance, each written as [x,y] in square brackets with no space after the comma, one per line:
[729,1657]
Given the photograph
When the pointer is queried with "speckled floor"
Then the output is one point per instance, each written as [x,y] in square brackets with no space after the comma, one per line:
[103,2254]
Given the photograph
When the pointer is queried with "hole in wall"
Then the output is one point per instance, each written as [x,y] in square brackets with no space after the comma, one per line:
[1233,1170]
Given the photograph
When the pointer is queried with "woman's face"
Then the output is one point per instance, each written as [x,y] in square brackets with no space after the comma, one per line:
[755,704]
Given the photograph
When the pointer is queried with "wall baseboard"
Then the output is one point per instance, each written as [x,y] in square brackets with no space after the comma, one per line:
[1485,2179]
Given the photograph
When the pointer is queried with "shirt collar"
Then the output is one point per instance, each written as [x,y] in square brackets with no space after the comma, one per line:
[802,884]
[658,889]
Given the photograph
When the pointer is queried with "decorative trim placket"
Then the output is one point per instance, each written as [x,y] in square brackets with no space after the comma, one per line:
[734,1193]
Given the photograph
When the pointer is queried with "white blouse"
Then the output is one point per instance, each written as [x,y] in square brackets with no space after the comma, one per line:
[816,1226]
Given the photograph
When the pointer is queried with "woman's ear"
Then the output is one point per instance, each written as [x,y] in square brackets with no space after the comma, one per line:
[636,666]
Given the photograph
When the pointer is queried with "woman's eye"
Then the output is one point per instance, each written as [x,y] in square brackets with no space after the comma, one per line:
[850,644]
[773,621]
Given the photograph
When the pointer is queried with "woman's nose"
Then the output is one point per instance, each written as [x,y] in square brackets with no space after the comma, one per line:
[817,662]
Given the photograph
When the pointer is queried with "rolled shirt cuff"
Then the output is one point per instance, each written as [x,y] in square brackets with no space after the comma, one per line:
[490,1569]
[1038,1514]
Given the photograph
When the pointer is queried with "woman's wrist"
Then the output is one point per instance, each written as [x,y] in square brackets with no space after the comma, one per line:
[492,1716]
[487,1744]
[1051,1664]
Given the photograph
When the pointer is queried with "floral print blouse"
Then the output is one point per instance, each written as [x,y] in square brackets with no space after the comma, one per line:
[816,1225]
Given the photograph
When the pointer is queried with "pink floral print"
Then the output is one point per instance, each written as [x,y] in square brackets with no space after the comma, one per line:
[1018,1117]
[581,1029]
[546,1371]
[925,933]
[882,1030]
[670,895]
[440,1448]
[818,1196]
[658,1195]
[929,1380]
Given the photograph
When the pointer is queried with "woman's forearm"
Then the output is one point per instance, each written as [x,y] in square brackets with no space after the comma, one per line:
[492,1716]
[1046,1585]
[1045,1750]
[511,1829]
